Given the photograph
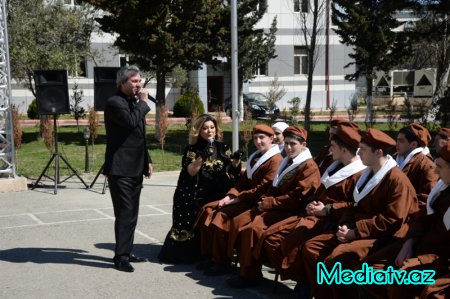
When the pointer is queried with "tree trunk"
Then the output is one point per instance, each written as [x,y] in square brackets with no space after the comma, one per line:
[160,98]
[311,66]
[369,113]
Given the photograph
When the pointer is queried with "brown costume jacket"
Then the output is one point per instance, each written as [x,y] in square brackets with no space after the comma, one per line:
[420,171]
[290,196]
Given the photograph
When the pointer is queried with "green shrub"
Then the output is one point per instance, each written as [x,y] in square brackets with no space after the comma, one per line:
[32,111]
[188,104]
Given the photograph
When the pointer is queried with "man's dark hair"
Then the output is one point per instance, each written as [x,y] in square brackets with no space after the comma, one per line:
[409,135]
[373,149]
[342,144]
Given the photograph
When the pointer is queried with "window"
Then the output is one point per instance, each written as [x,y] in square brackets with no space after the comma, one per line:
[300,60]
[301,5]
[123,61]
[305,6]
[82,66]
[81,70]
[72,2]
[260,70]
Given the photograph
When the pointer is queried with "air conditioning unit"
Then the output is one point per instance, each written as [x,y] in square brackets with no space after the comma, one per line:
[382,84]
[403,82]
[424,82]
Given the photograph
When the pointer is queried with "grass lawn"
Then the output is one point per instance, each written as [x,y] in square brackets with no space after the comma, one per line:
[33,156]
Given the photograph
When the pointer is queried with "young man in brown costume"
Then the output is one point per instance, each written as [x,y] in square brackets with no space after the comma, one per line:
[384,202]
[426,246]
[441,138]
[282,242]
[296,181]
[324,158]
[214,218]
[414,160]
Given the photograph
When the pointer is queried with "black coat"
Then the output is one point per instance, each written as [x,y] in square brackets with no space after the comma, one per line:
[126,149]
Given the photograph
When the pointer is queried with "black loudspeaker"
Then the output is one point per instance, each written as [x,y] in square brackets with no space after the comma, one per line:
[52,92]
[104,85]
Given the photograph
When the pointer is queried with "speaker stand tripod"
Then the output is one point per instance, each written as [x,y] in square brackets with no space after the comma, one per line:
[56,156]
[96,177]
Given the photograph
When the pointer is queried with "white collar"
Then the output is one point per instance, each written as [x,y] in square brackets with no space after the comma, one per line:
[342,173]
[402,162]
[434,193]
[447,219]
[374,180]
[267,155]
[302,157]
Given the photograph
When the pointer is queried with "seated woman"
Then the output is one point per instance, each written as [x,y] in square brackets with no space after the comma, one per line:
[206,175]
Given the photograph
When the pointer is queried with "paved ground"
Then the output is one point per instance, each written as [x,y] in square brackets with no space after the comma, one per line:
[60,246]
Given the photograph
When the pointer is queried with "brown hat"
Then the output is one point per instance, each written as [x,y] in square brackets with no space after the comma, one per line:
[377,139]
[294,130]
[422,134]
[346,123]
[444,152]
[349,136]
[264,129]
[444,132]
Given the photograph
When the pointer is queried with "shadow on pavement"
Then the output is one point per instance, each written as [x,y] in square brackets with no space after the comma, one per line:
[218,284]
[149,251]
[54,256]
[220,289]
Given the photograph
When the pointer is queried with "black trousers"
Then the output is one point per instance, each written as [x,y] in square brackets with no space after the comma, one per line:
[125,193]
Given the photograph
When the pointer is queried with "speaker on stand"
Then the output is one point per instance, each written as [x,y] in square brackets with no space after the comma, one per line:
[52,96]
[105,86]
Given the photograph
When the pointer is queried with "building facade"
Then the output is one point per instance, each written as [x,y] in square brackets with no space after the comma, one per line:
[290,65]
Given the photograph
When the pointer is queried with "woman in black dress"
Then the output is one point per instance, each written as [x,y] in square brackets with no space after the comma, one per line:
[207,173]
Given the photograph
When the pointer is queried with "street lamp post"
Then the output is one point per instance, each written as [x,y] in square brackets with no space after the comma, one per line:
[86,135]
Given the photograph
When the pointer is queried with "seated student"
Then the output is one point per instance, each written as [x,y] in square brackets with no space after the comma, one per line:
[282,241]
[324,158]
[413,159]
[384,200]
[427,245]
[214,218]
[278,138]
[297,179]
[441,139]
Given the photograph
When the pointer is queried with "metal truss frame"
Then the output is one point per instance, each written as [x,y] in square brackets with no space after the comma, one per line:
[7,150]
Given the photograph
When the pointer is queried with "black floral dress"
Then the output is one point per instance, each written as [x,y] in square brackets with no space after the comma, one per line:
[215,178]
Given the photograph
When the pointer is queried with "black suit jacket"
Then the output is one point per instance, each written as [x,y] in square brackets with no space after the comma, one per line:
[126,150]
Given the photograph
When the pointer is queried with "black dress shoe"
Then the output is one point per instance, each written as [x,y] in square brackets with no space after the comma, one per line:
[123,265]
[239,282]
[137,259]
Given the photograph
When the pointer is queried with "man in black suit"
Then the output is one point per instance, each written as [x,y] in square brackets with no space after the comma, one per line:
[126,159]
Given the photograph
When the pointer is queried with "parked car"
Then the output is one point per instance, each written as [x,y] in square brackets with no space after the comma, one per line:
[256,103]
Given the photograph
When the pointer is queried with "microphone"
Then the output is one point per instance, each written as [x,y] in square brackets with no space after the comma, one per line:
[210,147]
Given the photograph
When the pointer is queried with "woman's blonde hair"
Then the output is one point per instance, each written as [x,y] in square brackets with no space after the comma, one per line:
[197,125]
